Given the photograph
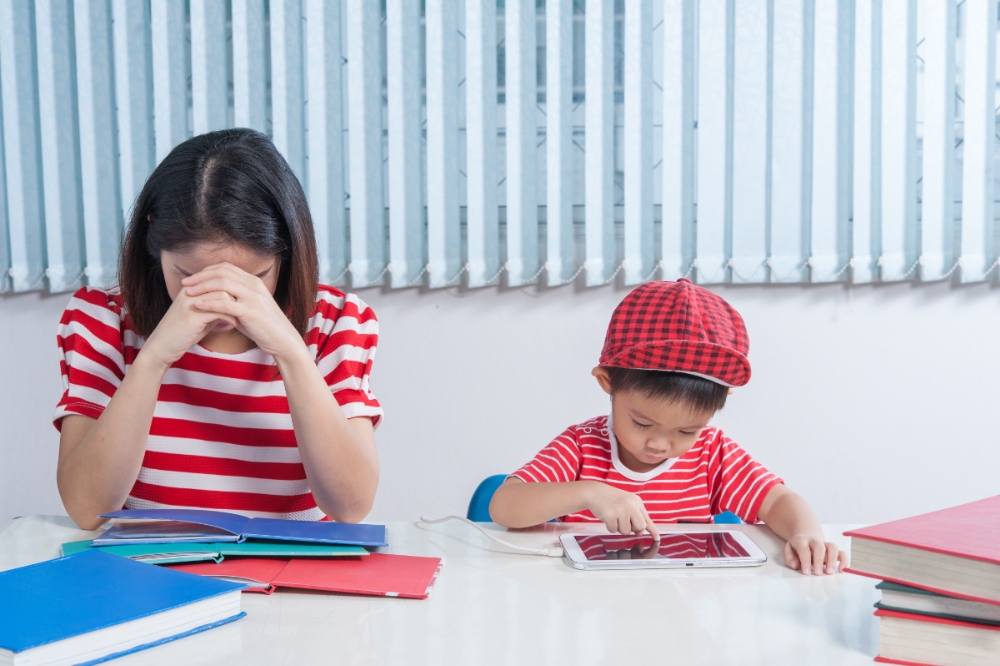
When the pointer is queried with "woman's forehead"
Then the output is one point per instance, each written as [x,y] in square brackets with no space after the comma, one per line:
[200,255]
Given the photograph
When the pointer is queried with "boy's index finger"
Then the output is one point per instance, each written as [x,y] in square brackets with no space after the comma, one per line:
[650,527]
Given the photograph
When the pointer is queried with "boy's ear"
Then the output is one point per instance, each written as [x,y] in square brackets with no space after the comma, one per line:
[602,378]
[731,390]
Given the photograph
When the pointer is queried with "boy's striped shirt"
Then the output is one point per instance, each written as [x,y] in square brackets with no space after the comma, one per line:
[715,476]
[221,436]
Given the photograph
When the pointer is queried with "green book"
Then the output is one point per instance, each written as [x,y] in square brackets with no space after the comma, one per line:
[908,599]
[176,553]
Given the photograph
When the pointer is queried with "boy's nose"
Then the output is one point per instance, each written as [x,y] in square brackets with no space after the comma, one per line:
[658,448]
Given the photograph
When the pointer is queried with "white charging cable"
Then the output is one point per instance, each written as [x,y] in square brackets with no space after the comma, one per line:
[523,550]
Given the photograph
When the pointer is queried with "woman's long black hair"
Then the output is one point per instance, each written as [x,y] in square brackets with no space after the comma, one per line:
[230,186]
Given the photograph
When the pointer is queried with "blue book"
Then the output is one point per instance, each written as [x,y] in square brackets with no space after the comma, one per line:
[194,525]
[92,606]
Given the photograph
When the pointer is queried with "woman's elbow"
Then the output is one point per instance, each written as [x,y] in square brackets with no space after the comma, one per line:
[89,523]
[86,519]
[350,512]
[349,515]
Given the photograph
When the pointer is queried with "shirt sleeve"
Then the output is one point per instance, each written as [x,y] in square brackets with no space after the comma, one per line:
[91,354]
[737,482]
[346,342]
[559,462]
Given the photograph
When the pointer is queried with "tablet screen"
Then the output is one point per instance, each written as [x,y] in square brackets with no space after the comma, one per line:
[690,545]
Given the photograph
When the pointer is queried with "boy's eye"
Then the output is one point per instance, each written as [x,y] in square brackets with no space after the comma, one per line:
[689,433]
[641,425]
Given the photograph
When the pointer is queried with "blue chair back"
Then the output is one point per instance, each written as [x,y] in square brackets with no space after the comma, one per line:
[479,505]
[727,518]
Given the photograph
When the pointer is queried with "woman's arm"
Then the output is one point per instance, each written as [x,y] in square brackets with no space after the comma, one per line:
[791,518]
[520,504]
[338,453]
[99,460]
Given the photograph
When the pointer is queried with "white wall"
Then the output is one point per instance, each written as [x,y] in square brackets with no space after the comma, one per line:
[873,402]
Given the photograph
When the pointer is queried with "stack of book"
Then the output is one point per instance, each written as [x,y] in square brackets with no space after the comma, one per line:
[263,554]
[940,586]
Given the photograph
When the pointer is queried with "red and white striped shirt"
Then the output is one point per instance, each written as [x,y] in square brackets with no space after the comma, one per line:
[715,476]
[221,436]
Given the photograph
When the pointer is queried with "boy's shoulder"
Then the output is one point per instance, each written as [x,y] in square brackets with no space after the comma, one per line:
[600,422]
[588,434]
[596,426]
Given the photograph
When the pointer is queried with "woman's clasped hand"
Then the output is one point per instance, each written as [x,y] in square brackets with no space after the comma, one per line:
[243,300]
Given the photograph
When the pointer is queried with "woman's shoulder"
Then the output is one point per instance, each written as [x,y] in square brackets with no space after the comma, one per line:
[334,305]
[100,305]
[97,316]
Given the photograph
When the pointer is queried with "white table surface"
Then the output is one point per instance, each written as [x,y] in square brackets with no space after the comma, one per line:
[491,607]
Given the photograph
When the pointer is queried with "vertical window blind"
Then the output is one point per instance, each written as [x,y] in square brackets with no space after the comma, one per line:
[479,142]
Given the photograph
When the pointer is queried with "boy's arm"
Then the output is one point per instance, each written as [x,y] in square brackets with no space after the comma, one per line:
[791,518]
[519,504]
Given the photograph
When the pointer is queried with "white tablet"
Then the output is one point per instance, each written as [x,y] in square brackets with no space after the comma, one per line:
[673,550]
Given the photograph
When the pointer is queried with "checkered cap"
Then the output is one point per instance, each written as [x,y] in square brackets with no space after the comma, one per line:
[678,327]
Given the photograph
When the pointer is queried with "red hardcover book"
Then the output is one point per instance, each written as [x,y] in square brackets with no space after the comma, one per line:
[954,551]
[378,574]
[923,640]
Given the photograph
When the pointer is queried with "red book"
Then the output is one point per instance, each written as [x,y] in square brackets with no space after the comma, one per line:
[954,551]
[923,640]
[378,574]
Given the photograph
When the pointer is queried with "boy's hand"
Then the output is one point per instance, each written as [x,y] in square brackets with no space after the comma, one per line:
[812,556]
[620,511]
[792,519]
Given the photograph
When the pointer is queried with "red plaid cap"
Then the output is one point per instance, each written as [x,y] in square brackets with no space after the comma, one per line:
[678,327]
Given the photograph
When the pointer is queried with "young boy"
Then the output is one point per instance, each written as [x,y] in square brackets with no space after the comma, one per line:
[672,354]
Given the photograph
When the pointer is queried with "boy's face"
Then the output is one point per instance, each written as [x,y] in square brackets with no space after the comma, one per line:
[650,430]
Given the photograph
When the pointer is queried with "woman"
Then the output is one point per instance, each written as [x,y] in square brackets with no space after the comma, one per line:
[219,374]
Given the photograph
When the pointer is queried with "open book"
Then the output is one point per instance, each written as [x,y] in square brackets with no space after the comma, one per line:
[196,525]
[379,574]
